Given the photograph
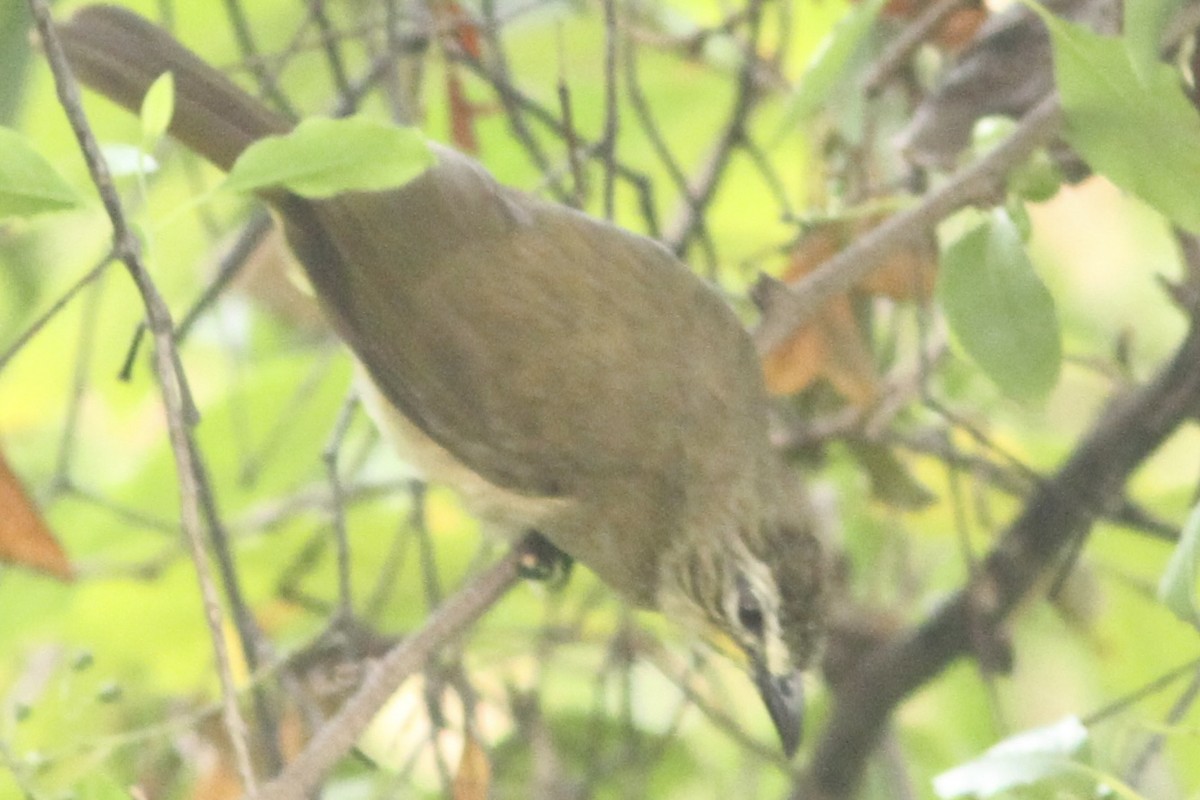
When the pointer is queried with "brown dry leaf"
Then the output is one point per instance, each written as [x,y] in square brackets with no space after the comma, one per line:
[463,114]
[958,29]
[955,30]
[474,778]
[832,345]
[25,539]
[457,26]
[909,273]
[214,763]
[462,28]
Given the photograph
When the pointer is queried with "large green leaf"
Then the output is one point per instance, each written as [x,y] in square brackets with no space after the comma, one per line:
[1128,117]
[1145,21]
[323,157]
[28,183]
[999,310]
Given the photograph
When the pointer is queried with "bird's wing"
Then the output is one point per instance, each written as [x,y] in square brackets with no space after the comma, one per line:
[550,347]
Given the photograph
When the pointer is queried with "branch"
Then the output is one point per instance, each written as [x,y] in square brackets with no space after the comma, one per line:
[787,307]
[1060,510]
[339,734]
[178,408]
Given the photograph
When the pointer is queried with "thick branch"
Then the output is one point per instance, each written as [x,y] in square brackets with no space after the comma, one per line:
[1060,510]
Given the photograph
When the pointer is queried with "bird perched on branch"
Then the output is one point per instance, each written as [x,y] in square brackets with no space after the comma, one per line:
[565,375]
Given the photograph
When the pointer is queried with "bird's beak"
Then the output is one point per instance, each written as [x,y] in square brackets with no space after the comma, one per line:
[784,698]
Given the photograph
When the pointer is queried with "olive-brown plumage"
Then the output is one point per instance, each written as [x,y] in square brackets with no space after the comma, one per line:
[564,374]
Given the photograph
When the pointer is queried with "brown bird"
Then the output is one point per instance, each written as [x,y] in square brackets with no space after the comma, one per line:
[565,375]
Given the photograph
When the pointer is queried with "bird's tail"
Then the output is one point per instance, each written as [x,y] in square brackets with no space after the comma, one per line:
[119,54]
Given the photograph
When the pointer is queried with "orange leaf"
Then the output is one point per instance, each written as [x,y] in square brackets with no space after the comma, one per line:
[908,274]
[832,346]
[474,778]
[954,31]
[797,363]
[25,539]
[958,29]
[462,114]
[462,28]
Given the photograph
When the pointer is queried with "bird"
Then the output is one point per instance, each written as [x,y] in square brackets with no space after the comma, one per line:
[563,374]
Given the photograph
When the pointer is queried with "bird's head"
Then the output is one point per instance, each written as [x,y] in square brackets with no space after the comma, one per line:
[762,593]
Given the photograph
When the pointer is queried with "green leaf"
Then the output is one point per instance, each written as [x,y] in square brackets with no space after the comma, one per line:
[1177,588]
[1137,129]
[28,183]
[323,157]
[999,310]
[1145,21]
[158,106]
[1022,759]
[828,65]
[1054,752]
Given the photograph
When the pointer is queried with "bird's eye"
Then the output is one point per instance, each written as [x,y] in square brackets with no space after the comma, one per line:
[750,616]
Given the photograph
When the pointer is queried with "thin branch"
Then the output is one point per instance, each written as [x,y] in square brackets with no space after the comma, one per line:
[171,379]
[340,733]
[704,191]
[608,138]
[786,309]
[254,62]
[900,48]
[1154,746]
[36,326]
[337,495]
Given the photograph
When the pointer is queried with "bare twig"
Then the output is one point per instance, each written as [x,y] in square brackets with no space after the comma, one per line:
[245,39]
[50,313]
[705,187]
[899,49]
[171,379]
[339,734]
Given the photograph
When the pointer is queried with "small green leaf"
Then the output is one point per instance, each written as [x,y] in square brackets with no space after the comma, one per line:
[999,310]
[1145,21]
[1037,180]
[1177,589]
[1139,130]
[158,106]
[323,157]
[28,183]
[828,65]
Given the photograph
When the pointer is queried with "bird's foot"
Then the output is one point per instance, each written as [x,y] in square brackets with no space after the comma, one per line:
[544,562]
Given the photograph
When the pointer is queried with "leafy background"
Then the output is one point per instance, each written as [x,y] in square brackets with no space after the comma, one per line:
[108,681]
